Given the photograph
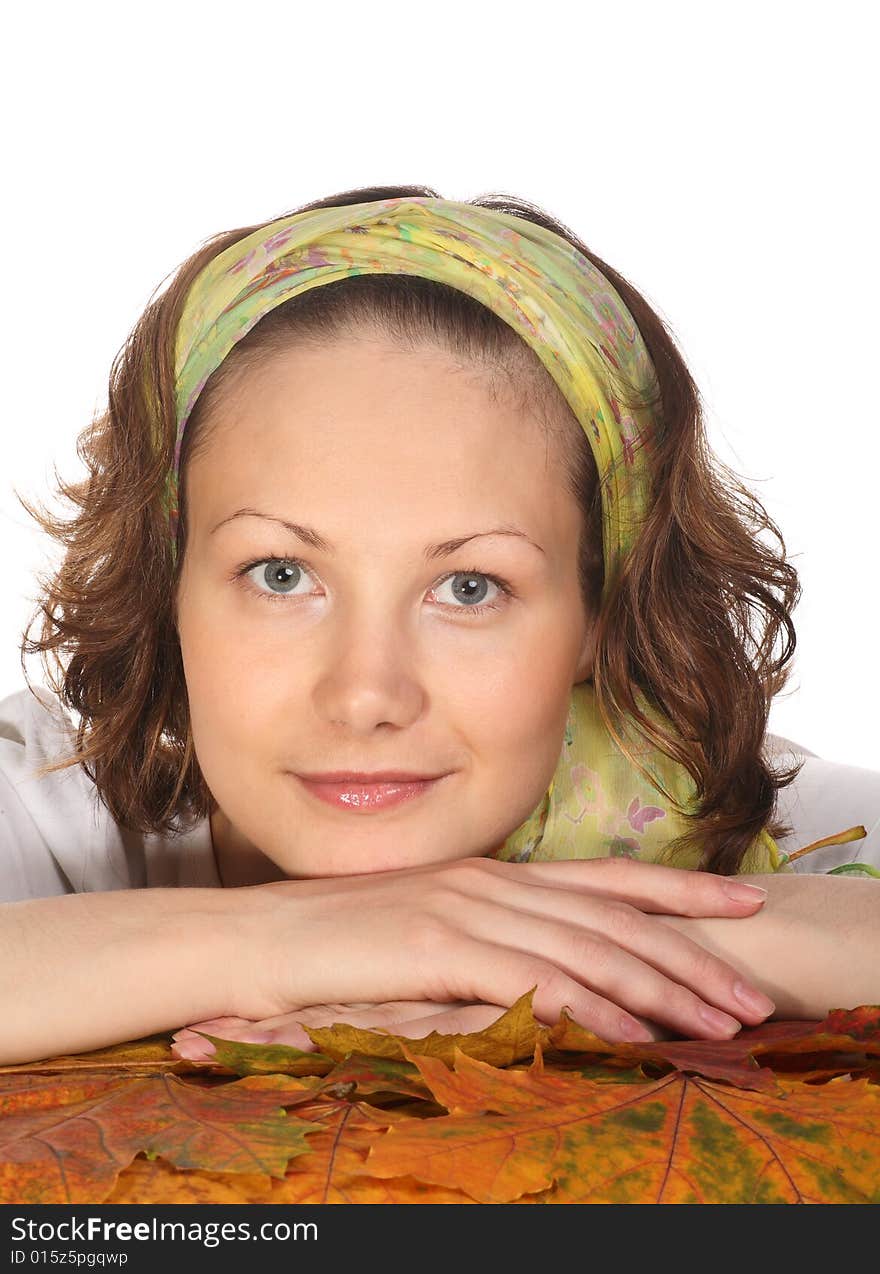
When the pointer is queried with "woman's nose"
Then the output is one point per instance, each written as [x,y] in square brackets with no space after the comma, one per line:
[368,676]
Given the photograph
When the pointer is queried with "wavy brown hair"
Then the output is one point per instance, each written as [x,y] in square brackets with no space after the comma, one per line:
[692,620]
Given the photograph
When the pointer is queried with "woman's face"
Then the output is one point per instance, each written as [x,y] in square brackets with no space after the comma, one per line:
[369,652]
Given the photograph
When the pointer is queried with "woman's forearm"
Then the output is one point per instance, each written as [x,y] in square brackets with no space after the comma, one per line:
[814,946]
[84,971]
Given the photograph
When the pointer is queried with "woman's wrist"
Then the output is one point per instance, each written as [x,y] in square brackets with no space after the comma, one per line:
[251,949]
[814,946]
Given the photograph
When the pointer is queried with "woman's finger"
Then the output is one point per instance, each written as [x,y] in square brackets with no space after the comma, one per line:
[463,1021]
[603,963]
[477,1017]
[660,973]
[288,1028]
[652,887]
[492,973]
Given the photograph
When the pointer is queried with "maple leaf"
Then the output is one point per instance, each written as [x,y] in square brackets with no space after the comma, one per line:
[335,1170]
[785,1112]
[155,1180]
[259,1059]
[375,1075]
[332,1172]
[509,1038]
[148,1054]
[364,1072]
[731,1060]
[842,1030]
[855,1034]
[515,1035]
[674,1140]
[67,1143]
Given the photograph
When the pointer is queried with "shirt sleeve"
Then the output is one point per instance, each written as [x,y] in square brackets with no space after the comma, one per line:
[826,798]
[55,836]
[28,868]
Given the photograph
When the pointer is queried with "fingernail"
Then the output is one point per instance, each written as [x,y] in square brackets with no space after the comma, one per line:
[199,1045]
[191,1053]
[719,1021]
[753,1000]
[739,891]
[632,1030]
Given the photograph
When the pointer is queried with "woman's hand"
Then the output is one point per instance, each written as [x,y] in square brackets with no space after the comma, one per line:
[484,932]
[413,1019]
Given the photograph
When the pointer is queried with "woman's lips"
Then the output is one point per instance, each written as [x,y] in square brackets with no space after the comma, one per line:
[366,798]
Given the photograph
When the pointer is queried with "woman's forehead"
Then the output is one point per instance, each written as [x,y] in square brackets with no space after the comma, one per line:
[392,410]
[313,438]
[383,370]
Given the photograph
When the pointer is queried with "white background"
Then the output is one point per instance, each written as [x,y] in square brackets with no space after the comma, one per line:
[723,159]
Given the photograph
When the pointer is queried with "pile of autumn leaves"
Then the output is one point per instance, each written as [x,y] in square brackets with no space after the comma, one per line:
[787,1112]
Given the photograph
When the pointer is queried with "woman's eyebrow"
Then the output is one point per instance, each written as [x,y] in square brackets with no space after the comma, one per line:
[311,537]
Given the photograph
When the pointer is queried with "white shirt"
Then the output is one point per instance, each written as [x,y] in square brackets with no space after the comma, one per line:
[57,837]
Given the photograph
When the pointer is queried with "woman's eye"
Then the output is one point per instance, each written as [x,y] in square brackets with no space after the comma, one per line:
[278,578]
[281,577]
[469,589]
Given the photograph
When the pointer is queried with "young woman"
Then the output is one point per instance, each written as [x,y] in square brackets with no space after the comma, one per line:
[406,606]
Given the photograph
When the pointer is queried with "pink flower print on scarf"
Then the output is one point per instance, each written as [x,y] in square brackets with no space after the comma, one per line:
[637,816]
[587,787]
[591,799]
